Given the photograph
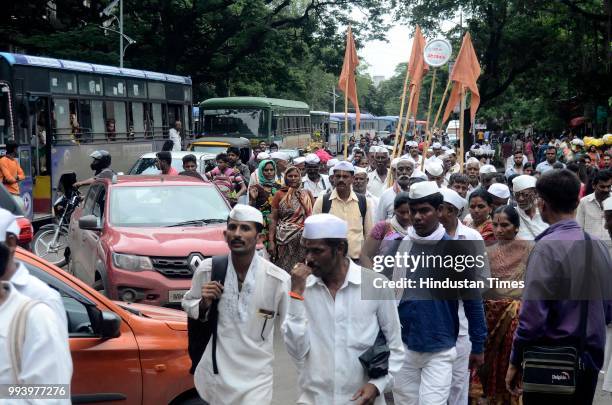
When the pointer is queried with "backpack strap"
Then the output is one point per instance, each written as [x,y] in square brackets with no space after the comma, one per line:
[326,203]
[17,331]
[219,270]
[363,208]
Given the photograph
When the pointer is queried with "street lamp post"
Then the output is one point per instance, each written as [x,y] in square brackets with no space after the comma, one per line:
[108,11]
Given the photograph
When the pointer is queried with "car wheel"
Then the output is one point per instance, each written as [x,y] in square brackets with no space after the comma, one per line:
[98,285]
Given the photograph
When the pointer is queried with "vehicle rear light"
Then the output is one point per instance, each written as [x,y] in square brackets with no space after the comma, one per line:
[26,232]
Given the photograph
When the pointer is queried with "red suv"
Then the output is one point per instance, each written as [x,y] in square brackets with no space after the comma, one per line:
[140,238]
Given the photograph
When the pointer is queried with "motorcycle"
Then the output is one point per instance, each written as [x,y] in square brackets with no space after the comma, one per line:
[51,241]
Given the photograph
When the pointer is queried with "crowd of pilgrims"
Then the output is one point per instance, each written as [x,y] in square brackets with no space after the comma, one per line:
[493,199]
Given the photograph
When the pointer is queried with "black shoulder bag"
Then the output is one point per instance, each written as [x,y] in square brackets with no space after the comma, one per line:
[554,369]
[199,331]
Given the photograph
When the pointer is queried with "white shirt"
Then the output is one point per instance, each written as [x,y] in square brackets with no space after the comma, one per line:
[319,188]
[325,337]
[590,216]
[544,166]
[38,290]
[376,185]
[464,233]
[385,209]
[244,359]
[45,355]
[510,161]
[530,228]
[175,137]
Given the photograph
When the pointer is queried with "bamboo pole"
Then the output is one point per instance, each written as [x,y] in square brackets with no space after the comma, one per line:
[346,120]
[435,123]
[461,126]
[400,151]
[427,131]
[399,122]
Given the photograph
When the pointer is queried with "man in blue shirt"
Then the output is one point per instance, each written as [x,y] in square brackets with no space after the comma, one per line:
[430,326]
[551,159]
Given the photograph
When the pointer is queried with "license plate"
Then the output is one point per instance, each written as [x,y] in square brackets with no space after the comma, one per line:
[176,295]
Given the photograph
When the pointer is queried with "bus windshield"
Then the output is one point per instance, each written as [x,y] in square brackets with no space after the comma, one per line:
[247,122]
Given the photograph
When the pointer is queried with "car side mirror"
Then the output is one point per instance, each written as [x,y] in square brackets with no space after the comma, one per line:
[110,326]
[89,223]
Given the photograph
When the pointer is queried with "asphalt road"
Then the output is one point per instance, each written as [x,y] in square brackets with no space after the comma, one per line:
[285,378]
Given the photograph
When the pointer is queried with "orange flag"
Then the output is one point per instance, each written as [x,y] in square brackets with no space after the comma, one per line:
[465,73]
[417,68]
[346,83]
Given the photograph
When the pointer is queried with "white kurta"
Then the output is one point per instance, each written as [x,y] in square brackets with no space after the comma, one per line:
[244,336]
[326,336]
[530,227]
[45,355]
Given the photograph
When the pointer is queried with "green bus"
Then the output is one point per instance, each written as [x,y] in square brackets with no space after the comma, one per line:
[284,122]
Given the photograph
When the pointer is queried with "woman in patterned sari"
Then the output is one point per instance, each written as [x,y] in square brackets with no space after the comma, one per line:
[262,193]
[290,208]
[508,261]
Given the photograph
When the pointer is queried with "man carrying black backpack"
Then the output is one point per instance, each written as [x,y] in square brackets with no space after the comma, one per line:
[352,207]
[233,305]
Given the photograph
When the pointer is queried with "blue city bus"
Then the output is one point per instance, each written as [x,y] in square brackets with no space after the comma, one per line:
[60,111]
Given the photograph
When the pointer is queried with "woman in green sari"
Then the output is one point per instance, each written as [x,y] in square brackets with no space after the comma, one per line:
[262,193]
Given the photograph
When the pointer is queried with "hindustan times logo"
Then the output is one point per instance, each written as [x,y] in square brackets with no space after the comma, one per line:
[459,263]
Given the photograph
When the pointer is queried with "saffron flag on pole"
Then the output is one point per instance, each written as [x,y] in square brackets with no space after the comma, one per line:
[417,68]
[465,73]
[346,83]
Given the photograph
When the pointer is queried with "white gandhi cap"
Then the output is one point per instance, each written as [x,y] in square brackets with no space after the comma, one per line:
[332,162]
[434,167]
[280,156]
[312,159]
[344,166]
[523,182]
[246,213]
[499,190]
[299,160]
[453,198]
[263,156]
[423,189]
[487,169]
[324,226]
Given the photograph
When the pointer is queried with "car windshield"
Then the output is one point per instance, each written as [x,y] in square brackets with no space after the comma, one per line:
[247,122]
[165,206]
[147,166]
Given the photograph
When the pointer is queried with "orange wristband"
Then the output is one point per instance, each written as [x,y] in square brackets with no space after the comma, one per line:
[296,296]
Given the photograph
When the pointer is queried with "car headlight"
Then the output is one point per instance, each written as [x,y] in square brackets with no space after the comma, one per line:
[132,262]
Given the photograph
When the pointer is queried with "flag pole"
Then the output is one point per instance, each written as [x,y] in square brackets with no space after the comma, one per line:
[346,121]
[427,130]
[435,123]
[400,150]
[461,126]
[399,122]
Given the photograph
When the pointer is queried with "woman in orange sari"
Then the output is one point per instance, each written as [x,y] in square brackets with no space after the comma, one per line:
[290,208]
[508,261]
[480,210]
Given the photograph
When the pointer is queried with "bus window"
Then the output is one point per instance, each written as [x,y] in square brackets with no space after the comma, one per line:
[5,118]
[148,120]
[63,83]
[61,119]
[114,119]
[75,126]
[157,119]
[137,119]
[85,120]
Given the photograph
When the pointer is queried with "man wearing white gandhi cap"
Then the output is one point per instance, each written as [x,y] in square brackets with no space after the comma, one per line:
[314,181]
[500,193]
[426,375]
[324,336]
[250,296]
[346,204]
[523,188]
[378,177]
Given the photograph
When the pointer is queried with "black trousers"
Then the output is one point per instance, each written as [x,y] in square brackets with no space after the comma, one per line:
[586,384]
